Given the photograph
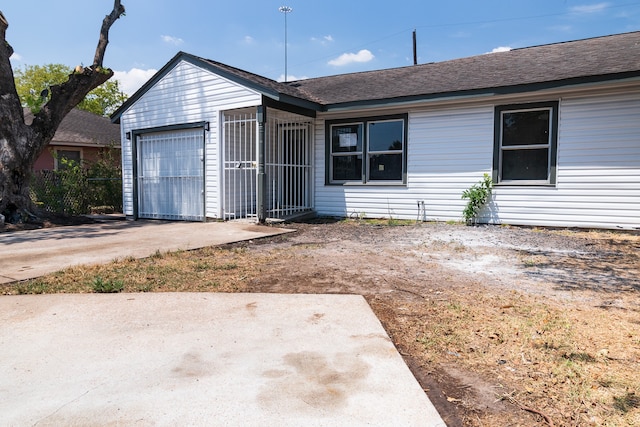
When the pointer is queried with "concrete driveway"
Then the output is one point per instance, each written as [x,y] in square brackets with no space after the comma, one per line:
[33,253]
[210,359]
[168,359]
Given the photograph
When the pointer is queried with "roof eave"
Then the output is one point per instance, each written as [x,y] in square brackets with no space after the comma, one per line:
[183,56]
[482,92]
[299,102]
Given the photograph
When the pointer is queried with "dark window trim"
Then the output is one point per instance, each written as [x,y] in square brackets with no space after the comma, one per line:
[553,148]
[364,121]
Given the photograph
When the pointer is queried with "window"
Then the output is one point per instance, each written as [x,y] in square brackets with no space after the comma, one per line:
[525,144]
[367,150]
[64,158]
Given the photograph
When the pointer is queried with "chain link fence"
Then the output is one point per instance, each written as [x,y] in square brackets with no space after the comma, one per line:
[75,191]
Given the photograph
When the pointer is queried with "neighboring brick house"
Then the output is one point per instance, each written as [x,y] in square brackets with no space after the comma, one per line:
[81,136]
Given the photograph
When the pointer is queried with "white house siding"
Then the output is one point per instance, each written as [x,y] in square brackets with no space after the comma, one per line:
[598,183]
[598,176]
[450,150]
[447,151]
[186,94]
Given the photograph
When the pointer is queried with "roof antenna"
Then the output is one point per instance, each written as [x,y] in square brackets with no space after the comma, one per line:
[415,49]
[285,10]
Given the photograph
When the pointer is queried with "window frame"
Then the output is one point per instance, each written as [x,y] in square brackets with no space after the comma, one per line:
[57,164]
[366,153]
[552,145]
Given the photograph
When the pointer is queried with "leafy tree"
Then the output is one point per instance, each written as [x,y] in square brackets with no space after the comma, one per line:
[21,144]
[105,99]
[33,83]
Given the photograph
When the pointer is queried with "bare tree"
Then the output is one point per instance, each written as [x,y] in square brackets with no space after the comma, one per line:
[21,143]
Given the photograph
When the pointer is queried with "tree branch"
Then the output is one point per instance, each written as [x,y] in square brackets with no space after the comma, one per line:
[68,95]
[118,10]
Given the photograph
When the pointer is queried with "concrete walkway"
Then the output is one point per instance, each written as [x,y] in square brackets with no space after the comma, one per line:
[169,359]
[33,253]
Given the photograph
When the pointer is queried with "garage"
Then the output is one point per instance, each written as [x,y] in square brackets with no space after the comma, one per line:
[201,142]
[170,174]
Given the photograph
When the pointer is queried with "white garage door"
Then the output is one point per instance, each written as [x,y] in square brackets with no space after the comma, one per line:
[171,175]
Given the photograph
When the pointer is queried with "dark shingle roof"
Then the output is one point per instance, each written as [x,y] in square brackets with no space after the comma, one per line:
[257,80]
[601,58]
[560,62]
[81,127]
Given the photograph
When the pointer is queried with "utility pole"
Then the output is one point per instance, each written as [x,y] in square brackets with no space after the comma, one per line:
[415,49]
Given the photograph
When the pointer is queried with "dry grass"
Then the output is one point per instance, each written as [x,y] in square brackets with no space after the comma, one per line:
[569,364]
[574,363]
[204,270]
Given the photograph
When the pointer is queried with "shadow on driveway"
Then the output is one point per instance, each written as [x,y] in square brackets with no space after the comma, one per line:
[33,253]
[84,231]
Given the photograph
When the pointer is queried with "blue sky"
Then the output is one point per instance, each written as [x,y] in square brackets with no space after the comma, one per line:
[325,37]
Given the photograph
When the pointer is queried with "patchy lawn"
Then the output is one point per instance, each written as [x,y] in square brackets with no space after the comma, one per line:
[501,325]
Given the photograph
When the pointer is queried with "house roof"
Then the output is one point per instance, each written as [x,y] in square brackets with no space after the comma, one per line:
[589,60]
[267,87]
[594,59]
[82,128]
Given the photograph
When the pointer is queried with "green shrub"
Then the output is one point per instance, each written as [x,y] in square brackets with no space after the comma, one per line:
[478,195]
[104,177]
[77,189]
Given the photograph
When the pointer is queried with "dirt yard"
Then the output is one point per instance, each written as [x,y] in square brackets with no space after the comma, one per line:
[501,326]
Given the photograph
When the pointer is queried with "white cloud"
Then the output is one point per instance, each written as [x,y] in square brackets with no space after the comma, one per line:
[248,39]
[176,41]
[589,8]
[130,81]
[324,40]
[349,58]
[16,57]
[500,49]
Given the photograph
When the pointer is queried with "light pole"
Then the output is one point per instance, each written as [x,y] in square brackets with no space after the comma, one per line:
[285,10]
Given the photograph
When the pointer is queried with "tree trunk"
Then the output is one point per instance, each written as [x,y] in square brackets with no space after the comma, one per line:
[21,143]
[15,170]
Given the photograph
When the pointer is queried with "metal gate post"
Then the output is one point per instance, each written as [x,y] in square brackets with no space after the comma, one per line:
[262,176]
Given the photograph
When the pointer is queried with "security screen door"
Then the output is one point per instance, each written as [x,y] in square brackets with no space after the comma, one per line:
[171,175]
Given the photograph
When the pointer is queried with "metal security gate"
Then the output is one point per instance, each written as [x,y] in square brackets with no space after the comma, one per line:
[170,175]
[288,166]
[240,166]
[288,161]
